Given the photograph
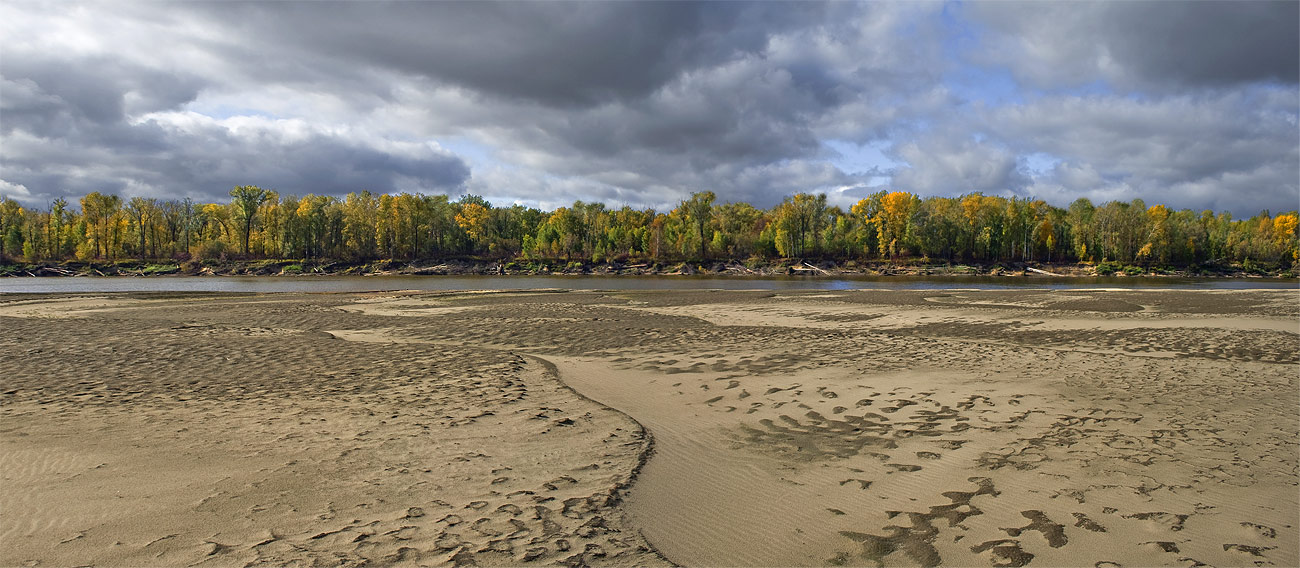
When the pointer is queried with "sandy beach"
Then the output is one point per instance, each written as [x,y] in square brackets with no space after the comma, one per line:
[710,428]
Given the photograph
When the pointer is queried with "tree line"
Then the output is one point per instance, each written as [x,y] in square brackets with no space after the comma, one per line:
[258,223]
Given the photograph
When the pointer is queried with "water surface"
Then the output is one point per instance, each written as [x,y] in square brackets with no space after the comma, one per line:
[309,283]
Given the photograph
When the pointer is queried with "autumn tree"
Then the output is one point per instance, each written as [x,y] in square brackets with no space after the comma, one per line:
[739,225]
[214,226]
[99,211]
[867,210]
[473,218]
[797,222]
[1158,239]
[896,211]
[415,226]
[360,215]
[1286,232]
[245,201]
[32,231]
[141,211]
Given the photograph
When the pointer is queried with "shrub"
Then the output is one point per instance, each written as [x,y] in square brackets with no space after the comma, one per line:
[212,250]
[1252,267]
[158,269]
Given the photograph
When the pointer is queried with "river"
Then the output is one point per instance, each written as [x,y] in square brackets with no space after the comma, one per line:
[383,283]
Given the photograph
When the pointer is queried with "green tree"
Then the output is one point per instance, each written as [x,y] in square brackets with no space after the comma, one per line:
[739,225]
[11,228]
[1080,216]
[58,239]
[797,222]
[698,213]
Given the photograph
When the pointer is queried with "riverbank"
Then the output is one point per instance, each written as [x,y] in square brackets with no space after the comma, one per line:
[477,267]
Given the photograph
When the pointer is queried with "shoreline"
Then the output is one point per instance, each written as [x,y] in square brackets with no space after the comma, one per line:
[716,268]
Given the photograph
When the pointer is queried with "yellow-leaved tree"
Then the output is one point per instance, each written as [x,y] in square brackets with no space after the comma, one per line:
[895,213]
[473,218]
[1285,228]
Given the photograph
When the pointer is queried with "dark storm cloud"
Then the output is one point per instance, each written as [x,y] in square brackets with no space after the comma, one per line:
[648,89]
[764,111]
[1192,104]
[75,123]
[1160,45]
[50,96]
[204,160]
[641,92]
[745,114]
[88,127]
[565,53]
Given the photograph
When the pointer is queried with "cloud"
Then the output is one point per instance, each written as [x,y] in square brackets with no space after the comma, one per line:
[757,111]
[60,97]
[179,154]
[1160,46]
[557,54]
[950,162]
[82,118]
[646,102]
[1237,151]
[16,191]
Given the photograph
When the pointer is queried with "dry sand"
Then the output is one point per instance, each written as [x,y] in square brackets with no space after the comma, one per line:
[966,428]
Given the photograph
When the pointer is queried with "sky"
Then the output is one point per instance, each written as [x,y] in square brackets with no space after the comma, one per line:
[1189,104]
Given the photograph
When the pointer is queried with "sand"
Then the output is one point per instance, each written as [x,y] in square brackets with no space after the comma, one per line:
[874,428]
